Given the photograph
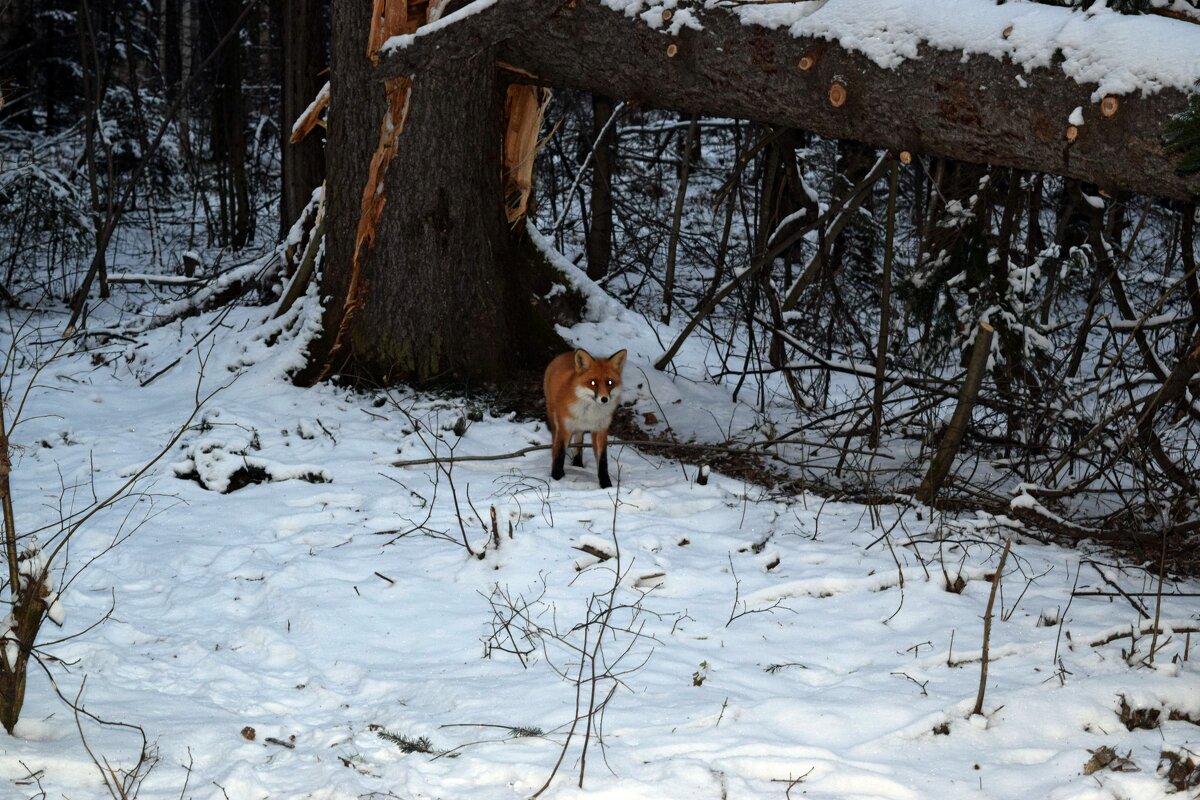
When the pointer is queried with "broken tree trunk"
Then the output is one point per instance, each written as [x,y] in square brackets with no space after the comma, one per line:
[426,279]
[424,273]
[974,108]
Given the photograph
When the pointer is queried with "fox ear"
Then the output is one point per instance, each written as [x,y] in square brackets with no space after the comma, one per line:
[583,360]
[617,359]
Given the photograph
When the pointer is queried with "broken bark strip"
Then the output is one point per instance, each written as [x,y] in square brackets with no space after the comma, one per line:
[970,108]
[308,265]
[939,468]
[524,108]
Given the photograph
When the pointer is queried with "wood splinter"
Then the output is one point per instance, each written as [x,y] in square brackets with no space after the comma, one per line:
[672,49]
[1109,106]
[837,94]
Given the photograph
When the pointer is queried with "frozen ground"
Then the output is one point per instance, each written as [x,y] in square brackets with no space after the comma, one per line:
[756,645]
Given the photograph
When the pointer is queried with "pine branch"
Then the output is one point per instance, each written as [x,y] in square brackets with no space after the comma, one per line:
[1182,135]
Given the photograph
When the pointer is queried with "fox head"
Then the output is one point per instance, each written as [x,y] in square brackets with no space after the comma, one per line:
[599,376]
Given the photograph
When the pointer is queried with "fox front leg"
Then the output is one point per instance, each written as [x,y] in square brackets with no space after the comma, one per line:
[600,448]
[558,454]
[577,447]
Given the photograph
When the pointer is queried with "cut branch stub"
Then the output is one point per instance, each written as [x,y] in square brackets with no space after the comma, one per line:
[672,49]
[1109,106]
[905,157]
[837,94]
[810,58]
[1072,133]
[667,14]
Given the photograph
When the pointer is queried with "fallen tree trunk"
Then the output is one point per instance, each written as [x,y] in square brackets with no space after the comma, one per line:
[976,108]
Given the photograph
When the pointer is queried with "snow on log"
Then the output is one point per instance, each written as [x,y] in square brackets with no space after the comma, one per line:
[968,80]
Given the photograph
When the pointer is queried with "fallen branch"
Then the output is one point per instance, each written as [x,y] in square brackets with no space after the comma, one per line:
[716,448]
[939,468]
[155,280]
[1130,633]
[1136,605]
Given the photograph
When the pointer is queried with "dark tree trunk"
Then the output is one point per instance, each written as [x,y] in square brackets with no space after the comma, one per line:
[16,50]
[445,172]
[228,135]
[303,35]
[600,236]
[435,290]
[170,56]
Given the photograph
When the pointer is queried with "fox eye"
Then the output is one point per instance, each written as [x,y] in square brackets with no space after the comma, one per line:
[610,383]
[593,382]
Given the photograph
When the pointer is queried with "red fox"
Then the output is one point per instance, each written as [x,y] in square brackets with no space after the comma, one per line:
[580,399]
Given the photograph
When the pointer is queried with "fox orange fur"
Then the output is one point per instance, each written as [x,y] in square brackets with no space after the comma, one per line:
[580,398]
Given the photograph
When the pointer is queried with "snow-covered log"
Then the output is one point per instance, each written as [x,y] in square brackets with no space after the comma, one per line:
[1048,89]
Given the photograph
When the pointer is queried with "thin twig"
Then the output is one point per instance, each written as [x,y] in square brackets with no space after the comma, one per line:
[987,629]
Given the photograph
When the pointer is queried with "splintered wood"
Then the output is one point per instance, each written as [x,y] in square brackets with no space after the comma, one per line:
[311,117]
[524,107]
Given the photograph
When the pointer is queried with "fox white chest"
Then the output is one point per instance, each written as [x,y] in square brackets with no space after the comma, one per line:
[587,414]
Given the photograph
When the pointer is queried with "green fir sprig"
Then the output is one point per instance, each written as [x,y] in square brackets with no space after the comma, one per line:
[407,744]
[1182,135]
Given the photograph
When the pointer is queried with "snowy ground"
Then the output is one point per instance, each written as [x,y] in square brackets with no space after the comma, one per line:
[758,646]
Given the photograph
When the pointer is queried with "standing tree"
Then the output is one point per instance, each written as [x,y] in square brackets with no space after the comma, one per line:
[427,278]
[600,236]
[303,35]
[228,123]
